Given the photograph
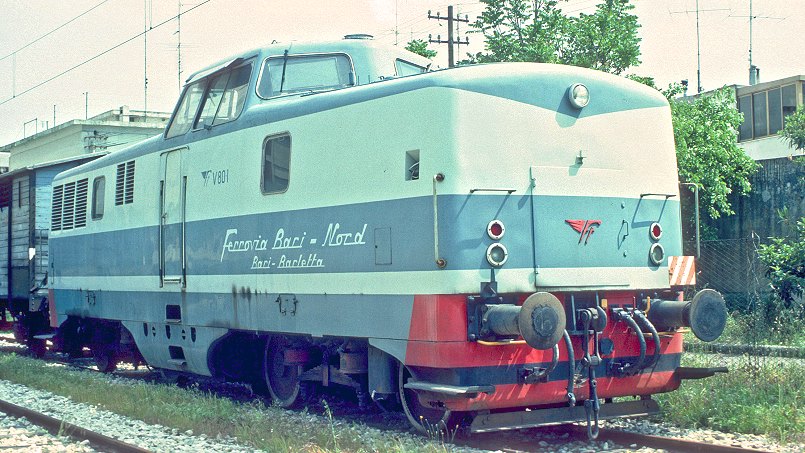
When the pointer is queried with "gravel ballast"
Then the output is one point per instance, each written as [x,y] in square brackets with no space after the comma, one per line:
[18,434]
[136,432]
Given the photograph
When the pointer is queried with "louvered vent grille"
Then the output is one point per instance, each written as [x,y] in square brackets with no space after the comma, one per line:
[81,203]
[124,183]
[68,214]
[69,206]
[55,218]
[121,176]
[129,182]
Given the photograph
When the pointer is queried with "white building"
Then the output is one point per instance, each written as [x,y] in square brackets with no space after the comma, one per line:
[765,107]
[103,133]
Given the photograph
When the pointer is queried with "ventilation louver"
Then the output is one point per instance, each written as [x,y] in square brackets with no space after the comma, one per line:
[124,183]
[69,207]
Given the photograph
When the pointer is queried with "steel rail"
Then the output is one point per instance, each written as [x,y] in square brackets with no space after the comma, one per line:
[61,427]
[672,444]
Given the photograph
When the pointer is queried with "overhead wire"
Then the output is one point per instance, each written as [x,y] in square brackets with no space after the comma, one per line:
[102,53]
[53,31]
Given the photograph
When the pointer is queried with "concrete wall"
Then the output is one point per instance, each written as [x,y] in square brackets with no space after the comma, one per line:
[779,183]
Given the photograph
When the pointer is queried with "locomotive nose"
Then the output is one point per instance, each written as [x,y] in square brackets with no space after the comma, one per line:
[540,320]
[705,314]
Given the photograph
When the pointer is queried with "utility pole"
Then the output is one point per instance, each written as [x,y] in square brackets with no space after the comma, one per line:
[698,53]
[754,71]
[86,105]
[450,39]
[179,46]
[145,57]
[698,41]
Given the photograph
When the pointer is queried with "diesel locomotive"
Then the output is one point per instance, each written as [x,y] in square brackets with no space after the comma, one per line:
[485,245]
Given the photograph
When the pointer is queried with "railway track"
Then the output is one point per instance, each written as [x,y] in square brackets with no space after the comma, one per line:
[59,427]
[532,440]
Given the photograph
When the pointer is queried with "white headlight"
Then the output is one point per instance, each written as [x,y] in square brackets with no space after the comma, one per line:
[496,254]
[656,254]
[579,95]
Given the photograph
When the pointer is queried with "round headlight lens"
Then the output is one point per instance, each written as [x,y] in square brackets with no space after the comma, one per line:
[579,95]
[496,254]
[495,229]
[656,254]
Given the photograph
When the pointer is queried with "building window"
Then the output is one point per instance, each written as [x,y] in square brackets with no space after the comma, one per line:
[276,164]
[775,111]
[98,187]
[789,95]
[745,107]
[759,124]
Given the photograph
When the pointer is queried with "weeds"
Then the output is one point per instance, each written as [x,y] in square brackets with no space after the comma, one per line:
[254,424]
[759,395]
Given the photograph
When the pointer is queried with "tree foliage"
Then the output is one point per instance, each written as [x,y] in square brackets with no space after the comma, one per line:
[705,128]
[539,31]
[794,130]
[785,258]
[707,152]
[420,47]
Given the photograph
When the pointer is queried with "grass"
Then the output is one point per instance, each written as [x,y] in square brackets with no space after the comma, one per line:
[752,328]
[759,395]
[254,424]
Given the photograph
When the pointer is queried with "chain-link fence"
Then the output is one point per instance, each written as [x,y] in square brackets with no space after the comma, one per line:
[759,323]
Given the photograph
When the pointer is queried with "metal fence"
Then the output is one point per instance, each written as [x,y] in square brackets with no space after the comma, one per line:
[759,324]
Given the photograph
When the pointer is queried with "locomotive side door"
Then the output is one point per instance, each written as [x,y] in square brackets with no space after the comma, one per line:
[172,219]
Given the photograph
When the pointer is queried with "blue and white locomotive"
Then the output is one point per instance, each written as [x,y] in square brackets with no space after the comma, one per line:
[486,244]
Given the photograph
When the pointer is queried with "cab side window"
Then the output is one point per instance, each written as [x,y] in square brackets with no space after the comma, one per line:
[276,164]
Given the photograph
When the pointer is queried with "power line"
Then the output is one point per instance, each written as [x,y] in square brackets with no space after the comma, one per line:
[102,53]
[54,30]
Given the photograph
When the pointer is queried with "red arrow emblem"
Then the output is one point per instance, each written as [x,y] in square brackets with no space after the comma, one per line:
[585,228]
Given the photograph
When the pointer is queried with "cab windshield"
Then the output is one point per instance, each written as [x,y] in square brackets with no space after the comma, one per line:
[301,73]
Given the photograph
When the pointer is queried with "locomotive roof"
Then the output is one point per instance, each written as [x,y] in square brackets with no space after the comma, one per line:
[367,55]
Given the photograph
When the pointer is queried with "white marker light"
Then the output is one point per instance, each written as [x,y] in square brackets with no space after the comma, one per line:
[496,254]
[656,254]
[579,95]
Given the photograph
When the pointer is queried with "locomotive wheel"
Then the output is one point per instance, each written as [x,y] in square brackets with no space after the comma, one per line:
[283,380]
[105,358]
[426,420]
[37,347]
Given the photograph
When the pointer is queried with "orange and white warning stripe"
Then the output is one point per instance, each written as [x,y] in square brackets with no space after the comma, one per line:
[682,270]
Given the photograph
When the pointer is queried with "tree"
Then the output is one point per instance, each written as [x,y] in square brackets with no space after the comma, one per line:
[706,135]
[794,130]
[606,40]
[538,31]
[420,47]
[785,258]
[519,30]
[705,129]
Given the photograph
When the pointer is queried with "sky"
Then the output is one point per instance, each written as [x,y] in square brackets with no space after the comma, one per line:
[47,39]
